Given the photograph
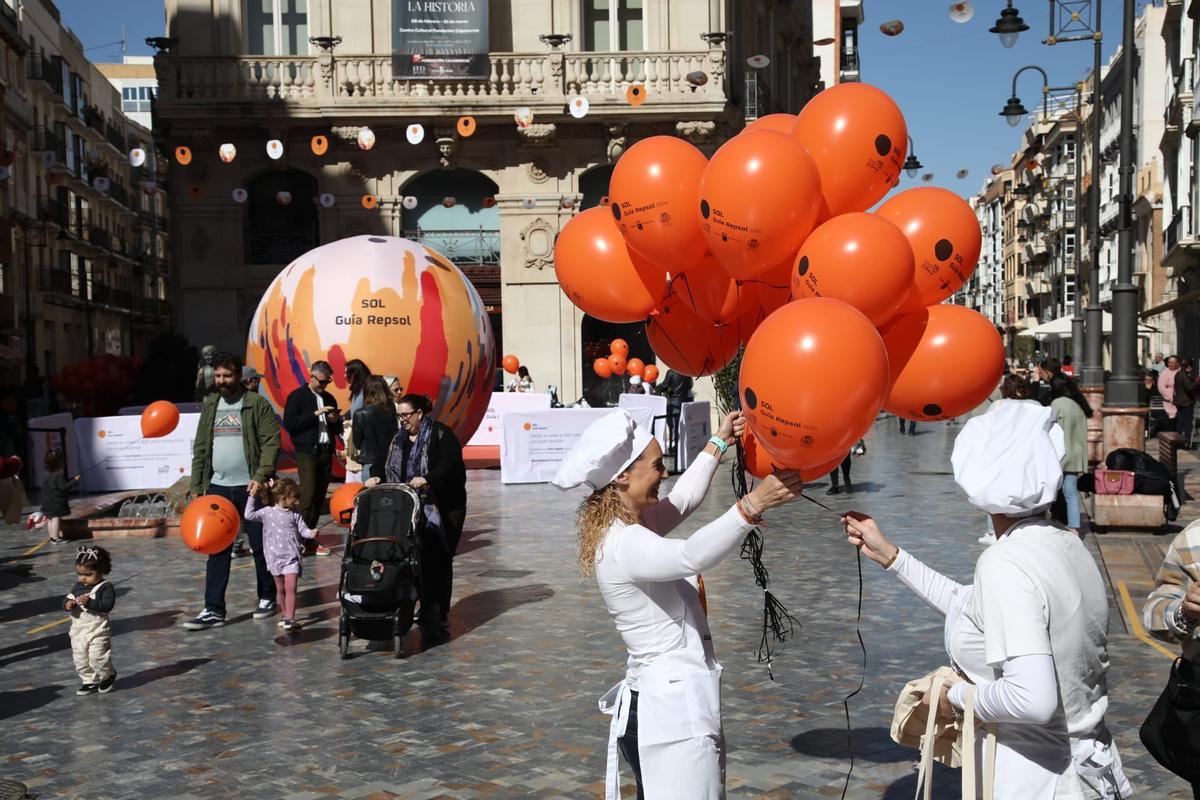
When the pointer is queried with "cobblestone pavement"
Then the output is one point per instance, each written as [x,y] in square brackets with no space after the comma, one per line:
[507,708]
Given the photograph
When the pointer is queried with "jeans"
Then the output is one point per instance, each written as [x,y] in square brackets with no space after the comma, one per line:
[833,476]
[629,744]
[1071,495]
[315,470]
[1184,420]
[912,425]
[216,572]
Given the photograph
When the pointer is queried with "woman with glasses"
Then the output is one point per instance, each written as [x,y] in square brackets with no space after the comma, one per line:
[427,456]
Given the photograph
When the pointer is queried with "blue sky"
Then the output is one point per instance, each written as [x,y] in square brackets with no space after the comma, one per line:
[950,79]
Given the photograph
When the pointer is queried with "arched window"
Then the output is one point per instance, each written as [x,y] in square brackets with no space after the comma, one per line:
[279,229]
[596,337]
[593,185]
[456,215]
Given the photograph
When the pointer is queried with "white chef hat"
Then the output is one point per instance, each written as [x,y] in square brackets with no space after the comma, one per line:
[1009,460]
[606,449]
[636,380]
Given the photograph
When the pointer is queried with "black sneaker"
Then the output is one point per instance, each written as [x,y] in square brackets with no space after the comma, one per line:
[833,490]
[204,620]
[265,608]
[86,689]
[106,685]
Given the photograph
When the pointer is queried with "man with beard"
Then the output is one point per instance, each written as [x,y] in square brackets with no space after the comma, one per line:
[236,443]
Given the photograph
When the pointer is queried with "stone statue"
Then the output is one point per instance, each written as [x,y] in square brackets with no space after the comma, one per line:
[206,378]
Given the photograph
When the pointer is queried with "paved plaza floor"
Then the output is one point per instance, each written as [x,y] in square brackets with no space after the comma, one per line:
[507,708]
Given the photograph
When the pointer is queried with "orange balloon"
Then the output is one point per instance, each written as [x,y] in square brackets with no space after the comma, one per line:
[600,275]
[945,361]
[653,192]
[858,258]
[616,362]
[602,367]
[945,238]
[511,364]
[341,503]
[858,138]
[712,294]
[209,524]
[769,291]
[759,200]
[688,344]
[620,347]
[760,463]
[159,419]
[784,123]
[635,366]
[650,373]
[812,380]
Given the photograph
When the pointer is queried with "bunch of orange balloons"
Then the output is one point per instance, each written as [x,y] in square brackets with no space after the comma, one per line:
[769,244]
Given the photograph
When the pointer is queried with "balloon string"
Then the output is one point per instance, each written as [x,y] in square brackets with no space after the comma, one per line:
[862,679]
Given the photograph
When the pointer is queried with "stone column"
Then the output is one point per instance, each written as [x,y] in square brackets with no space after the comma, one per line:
[1124,427]
[1095,423]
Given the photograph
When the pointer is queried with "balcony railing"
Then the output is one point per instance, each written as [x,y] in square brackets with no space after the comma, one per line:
[46,70]
[99,237]
[479,248]
[54,212]
[56,280]
[45,140]
[114,138]
[195,85]
[1180,229]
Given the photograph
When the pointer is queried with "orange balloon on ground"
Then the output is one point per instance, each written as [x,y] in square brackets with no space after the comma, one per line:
[650,373]
[759,200]
[711,293]
[945,361]
[812,380]
[858,258]
[159,419]
[619,347]
[209,524]
[602,368]
[945,238]
[654,189]
[600,275]
[688,344]
[635,366]
[511,364]
[341,503]
[858,138]
[784,123]
[617,363]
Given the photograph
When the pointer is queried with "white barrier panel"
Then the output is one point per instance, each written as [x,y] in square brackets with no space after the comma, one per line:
[695,429]
[535,443]
[657,404]
[49,435]
[184,408]
[113,454]
[490,433]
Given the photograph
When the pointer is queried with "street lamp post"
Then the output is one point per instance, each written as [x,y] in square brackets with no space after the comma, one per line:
[911,165]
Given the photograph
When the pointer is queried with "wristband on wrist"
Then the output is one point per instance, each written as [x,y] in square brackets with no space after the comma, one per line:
[750,519]
[751,508]
[721,444]
[892,560]
[1181,620]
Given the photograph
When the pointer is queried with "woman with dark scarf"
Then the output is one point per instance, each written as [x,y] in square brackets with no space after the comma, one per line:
[427,456]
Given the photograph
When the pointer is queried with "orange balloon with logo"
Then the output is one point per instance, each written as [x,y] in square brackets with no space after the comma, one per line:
[760,463]
[635,366]
[759,200]
[688,344]
[769,291]
[159,419]
[617,363]
[209,524]
[858,258]
[653,194]
[712,294]
[784,123]
[650,373]
[602,368]
[945,238]
[341,503]
[619,347]
[600,275]
[812,380]
[945,360]
[858,138]
[511,364]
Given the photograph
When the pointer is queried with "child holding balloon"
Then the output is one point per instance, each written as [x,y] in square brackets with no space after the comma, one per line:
[283,527]
[55,488]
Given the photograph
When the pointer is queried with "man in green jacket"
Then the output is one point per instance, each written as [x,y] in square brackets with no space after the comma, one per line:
[237,441]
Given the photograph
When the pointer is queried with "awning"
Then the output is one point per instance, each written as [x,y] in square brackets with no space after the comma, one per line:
[1061,328]
[1191,297]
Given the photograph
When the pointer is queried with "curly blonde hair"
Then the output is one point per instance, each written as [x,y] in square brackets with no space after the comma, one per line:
[594,517]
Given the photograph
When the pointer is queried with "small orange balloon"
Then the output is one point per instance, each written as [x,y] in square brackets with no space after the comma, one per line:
[602,368]
[945,360]
[319,145]
[635,366]
[636,94]
[759,200]
[650,373]
[369,201]
[183,155]
[945,238]
[617,364]
[784,123]
[209,524]
[466,127]
[620,347]
[688,344]
[599,274]
[511,364]
[653,192]
[341,503]
[159,419]
[858,258]
[813,378]
[858,138]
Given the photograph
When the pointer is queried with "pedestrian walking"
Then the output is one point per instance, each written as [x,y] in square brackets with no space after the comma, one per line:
[675,746]
[374,427]
[56,488]
[276,508]
[912,426]
[312,420]
[89,602]
[678,390]
[1072,411]
[833,477]
[233,455]
[1185,400]
[1031,631]
[357,373]
[1166,387]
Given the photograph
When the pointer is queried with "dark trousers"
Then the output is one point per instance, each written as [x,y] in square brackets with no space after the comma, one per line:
[912,425]
[216,573]
[315,470]
[629,744]
[845,472]
[437,564]
[1184,420]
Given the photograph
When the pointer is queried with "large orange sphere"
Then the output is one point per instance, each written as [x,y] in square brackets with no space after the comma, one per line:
[401,307]
[341,503]
[209,524]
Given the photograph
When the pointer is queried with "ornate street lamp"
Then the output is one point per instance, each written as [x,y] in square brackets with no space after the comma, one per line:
[161,44]
[911,165]
[1009,26]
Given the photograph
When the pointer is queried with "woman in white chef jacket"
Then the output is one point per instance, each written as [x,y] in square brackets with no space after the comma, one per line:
[1031,632]
[667,712]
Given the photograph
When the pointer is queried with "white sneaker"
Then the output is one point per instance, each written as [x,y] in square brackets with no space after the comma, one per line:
[265,608]
[987,538]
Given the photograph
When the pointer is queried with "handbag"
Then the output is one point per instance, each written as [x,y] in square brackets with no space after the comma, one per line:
[1113,481]
[1171,731]
[952,744]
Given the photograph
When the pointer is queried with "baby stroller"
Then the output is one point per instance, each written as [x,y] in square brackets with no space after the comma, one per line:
[381,569]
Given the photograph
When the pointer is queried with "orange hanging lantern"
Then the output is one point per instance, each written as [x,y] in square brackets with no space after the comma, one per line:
[636,94]
[320,144]
[369,201]
[466,127]
[183,155]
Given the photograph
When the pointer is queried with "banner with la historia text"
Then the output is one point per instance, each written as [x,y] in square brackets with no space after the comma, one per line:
[440,39]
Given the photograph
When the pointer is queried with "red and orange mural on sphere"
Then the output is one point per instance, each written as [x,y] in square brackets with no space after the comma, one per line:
[399,306]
